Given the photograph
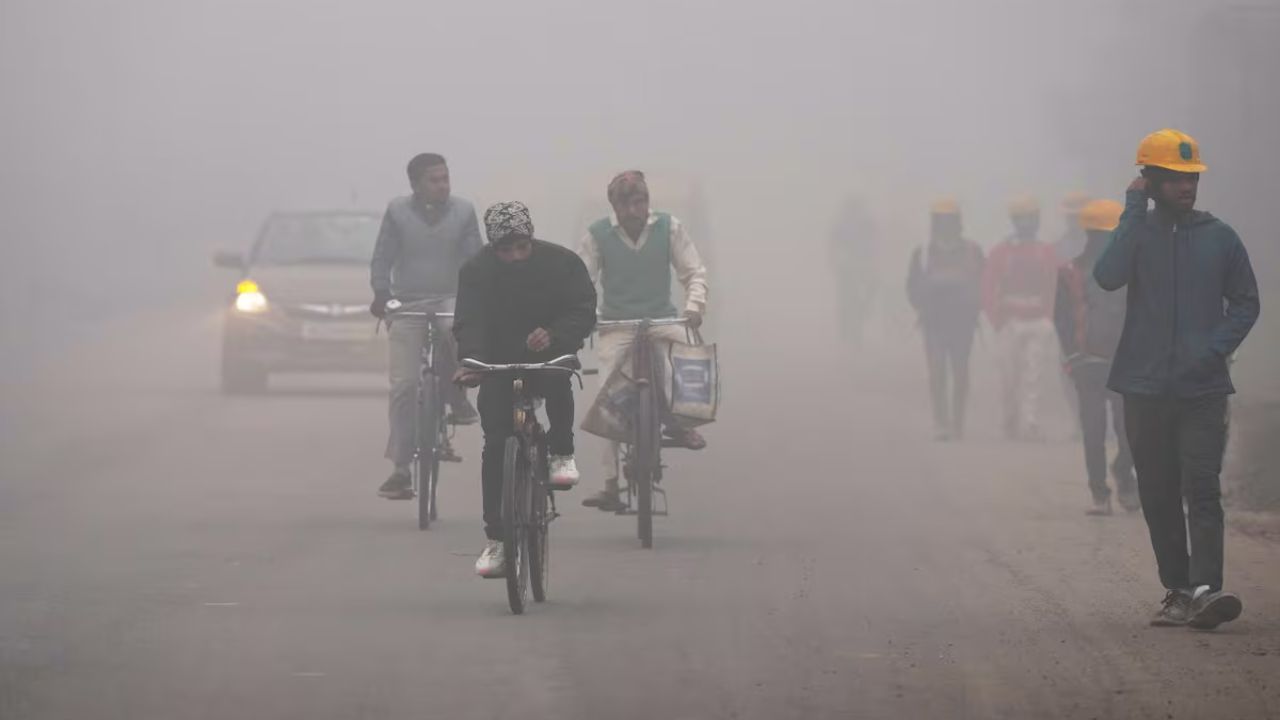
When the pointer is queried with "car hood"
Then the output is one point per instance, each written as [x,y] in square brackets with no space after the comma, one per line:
[315,284]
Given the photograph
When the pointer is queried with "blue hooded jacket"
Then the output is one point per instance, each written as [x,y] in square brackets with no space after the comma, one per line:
[1192,299]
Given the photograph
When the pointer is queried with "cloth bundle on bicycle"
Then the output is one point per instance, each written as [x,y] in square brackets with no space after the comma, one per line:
[612,415]
[689,377]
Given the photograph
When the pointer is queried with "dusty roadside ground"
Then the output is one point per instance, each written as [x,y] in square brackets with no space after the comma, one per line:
[172,553]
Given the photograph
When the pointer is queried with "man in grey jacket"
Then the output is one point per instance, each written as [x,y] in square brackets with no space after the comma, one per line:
[1192,299]
[425,239]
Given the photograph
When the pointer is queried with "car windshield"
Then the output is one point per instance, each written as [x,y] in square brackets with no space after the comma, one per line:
[304,239]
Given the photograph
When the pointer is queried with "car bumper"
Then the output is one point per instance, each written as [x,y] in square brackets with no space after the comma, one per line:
[285,344]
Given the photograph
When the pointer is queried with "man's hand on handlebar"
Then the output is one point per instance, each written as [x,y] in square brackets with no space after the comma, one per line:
[378,308]
[467,378]
[538,340]
[693,318]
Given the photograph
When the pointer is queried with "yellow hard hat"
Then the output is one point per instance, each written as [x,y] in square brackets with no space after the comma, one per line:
[1101,215]
[1073,201]
[1171,150]
[1024,205]
[945,206]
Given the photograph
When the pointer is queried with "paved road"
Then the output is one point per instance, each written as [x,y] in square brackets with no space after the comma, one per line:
[166,552]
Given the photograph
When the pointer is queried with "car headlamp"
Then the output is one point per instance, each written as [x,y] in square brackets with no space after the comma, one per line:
[249,298]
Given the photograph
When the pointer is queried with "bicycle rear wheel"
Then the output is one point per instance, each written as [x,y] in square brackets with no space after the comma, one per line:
[515,518]
[540,525]
[646,463]
[427,463]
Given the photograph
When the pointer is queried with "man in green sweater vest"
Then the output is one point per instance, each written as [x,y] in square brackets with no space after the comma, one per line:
[632,255]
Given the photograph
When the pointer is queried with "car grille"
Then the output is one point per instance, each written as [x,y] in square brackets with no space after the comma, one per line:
[324,311]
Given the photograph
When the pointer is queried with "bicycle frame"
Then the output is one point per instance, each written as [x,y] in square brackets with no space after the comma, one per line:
[529,505]
[427,451]
[643,475]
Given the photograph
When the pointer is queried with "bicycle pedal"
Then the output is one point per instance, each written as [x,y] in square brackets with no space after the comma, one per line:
[451,458]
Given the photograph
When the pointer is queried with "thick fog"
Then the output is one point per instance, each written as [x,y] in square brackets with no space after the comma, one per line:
[168,551]
[139,136]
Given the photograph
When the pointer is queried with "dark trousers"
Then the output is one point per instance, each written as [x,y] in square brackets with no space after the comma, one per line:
[495,419]
[1095,399]
[948,347]
[1177,449]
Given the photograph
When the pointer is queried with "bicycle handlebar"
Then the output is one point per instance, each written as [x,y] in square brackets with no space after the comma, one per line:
[419,313]
[556,364]
[637,323]
[394,310]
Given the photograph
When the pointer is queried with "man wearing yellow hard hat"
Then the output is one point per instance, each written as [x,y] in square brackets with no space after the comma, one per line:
[944,285]
[1089,321]
[1191,300]
[1017,296]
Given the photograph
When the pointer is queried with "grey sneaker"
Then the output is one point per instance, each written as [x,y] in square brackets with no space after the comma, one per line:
[1211,609]
[1175,610]
[399,486]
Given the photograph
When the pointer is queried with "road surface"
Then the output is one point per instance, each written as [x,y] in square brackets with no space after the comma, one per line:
[170,553]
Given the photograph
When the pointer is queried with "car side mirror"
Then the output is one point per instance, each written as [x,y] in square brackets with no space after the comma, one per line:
[229,260]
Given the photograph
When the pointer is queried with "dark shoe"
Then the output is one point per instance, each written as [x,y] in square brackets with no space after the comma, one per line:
[1175,610]
[464,413]
[687,437]
[1211,609]
[397,487]
[606,501]
[448,454]
[1100,507]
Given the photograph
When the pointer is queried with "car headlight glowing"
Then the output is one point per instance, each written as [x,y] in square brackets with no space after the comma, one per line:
[249,298]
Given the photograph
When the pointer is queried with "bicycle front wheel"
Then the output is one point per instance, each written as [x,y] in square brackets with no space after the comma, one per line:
[427,464]
[540,524]
[515,522]
[645,465]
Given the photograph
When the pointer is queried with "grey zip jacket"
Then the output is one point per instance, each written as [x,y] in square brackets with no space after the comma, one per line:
[1192,299]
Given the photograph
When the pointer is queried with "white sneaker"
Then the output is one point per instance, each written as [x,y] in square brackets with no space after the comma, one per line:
[564,472]
[491,563]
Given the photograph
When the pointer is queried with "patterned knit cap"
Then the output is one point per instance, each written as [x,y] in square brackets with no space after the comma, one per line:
[507,220]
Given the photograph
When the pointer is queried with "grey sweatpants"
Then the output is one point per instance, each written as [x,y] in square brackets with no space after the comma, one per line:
[407,336]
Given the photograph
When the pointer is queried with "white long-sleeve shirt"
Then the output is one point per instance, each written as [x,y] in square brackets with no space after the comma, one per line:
[685,260]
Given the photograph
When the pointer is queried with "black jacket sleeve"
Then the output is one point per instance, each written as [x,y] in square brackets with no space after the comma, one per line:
[469,321]
[576,316]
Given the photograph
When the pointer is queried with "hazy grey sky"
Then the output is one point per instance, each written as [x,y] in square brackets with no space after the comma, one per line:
[157,129]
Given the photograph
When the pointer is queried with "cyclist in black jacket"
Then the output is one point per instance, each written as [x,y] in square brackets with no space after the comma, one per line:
[520,300]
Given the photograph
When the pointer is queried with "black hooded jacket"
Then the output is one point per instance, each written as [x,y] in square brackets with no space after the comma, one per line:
[500,304]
